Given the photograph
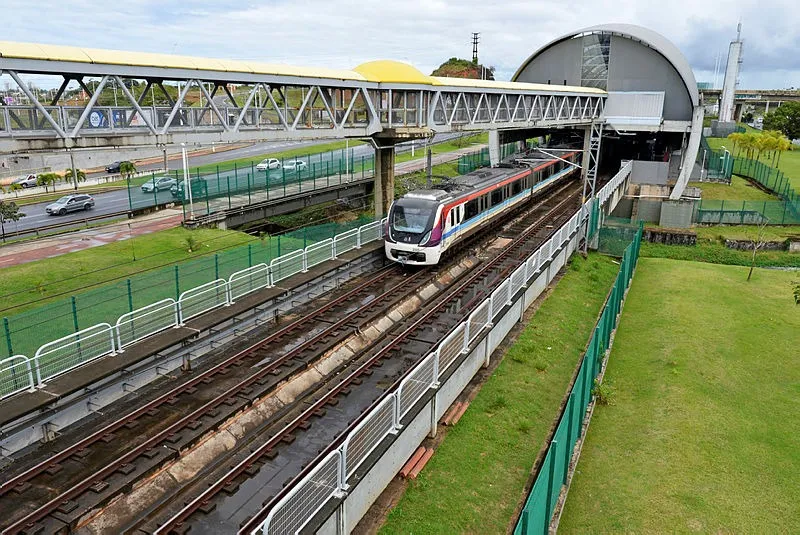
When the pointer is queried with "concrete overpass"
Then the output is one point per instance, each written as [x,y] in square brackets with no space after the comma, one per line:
[770,98]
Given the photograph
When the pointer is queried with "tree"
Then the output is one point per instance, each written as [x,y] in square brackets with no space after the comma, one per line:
[783,145]
[46,180]
[785,118]
[80,176]
[735,138]
[796,292]
[126,169]
[15,188]
[9,211]
[758,243]
[464,68]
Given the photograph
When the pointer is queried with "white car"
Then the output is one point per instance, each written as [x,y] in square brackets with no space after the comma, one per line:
[294,166]
[269,163]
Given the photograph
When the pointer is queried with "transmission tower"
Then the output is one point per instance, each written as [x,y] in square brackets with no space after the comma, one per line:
[476,37]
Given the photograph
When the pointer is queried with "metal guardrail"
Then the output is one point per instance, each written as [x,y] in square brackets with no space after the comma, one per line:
[16,375]
[296,508]
[74,350]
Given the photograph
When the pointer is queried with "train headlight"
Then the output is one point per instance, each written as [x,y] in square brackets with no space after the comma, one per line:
[425,238]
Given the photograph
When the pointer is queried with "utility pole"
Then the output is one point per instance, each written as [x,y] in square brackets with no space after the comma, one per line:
[476,37]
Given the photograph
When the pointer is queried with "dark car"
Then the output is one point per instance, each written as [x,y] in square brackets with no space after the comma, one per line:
[113,168]
[199,189]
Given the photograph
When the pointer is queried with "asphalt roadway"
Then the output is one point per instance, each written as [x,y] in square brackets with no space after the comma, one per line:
[116,201]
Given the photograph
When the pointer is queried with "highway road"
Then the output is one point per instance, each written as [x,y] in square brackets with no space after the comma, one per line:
[118,200]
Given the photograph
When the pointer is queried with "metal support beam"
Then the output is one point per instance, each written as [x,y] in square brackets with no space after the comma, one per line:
[88,109]
[37,104]
[135,105]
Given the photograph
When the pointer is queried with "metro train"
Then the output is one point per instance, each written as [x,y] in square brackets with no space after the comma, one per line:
[423,224]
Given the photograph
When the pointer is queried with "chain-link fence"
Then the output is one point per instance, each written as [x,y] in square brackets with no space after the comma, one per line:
[25,331]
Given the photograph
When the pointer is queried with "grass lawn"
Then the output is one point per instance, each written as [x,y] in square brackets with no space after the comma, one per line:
[789,164]
[712,250]
[447,146]
[702,433]
[475,480]
[418,179]
[38,280]
[745,232]
[739,189]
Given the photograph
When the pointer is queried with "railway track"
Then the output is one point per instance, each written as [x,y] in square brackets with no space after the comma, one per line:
[217,409]
[456,304]
[282,353]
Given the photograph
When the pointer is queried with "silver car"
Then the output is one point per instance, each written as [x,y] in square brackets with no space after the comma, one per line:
[295,166]
[159,183]
[70,203]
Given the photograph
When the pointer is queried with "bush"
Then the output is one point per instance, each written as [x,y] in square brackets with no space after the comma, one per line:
[603,393]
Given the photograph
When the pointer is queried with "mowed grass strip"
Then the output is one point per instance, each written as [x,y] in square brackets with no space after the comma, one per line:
[475,480]
[702,435]
[740,189]
[43,279]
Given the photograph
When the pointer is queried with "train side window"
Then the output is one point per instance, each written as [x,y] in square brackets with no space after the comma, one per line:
[472,208]
[497,197]
[516,187]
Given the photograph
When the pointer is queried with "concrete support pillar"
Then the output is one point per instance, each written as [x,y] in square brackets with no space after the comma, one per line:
[384,179]
[767,110]
[494,148]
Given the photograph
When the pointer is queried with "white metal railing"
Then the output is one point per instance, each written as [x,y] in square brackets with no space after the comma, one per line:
[346,241]
[606,191]
[370,232]
[287,265]
[368,434]
[146,321]
[202,299]
[76,349]
[16,375]
[416,383]
[478,320]
[68,352]
[451,347]
[500,297]
[319,252]
[309,496]
[290,514]
[248,280]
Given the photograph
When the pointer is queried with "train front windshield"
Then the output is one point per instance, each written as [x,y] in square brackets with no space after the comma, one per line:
[411,219]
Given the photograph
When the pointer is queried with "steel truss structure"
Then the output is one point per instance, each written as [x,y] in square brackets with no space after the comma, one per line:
[276,107]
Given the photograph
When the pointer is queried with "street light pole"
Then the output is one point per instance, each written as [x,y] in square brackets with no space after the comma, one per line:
[187,181]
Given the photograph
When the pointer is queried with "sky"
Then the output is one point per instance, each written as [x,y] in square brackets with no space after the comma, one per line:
[345,33]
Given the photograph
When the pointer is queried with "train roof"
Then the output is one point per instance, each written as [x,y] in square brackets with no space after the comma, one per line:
[465,184]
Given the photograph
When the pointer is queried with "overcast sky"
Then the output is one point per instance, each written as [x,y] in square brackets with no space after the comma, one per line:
[344,33]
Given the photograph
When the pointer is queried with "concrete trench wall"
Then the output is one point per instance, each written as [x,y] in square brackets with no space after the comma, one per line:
[373,477]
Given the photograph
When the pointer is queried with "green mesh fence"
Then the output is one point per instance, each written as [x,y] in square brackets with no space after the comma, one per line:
[718,164]
[747,212]
[233,185]
[616,235]
[552,475]
[475,160]
[25,332]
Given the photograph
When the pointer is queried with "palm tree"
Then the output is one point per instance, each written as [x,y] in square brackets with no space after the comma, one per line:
[80,176]
[126,169]
[46,180]
[783,145]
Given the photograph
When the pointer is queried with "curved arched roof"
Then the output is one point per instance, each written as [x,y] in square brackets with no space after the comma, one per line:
[648,37]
